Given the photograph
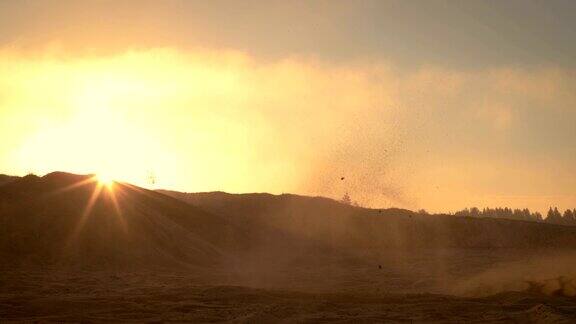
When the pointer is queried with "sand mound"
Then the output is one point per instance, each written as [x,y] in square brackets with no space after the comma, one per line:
[344,226]
[4,179]
[64,218]
[267,258]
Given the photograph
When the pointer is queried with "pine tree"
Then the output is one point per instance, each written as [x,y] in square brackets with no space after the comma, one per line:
[557,213]
[346,199]
[550,214]
[526,215]
[474,212]
[569,218]
[554,216]
[538,217]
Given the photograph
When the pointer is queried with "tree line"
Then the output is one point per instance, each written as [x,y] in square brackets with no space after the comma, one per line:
[553,216]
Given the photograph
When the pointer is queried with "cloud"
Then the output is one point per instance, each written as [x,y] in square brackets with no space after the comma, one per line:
[223,120]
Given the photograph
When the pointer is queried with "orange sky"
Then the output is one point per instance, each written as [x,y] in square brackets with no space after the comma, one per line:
[214,115]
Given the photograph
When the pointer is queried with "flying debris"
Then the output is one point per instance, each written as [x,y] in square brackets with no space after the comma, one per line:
[151,178]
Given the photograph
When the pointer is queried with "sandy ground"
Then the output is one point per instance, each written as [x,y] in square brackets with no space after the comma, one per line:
[340,292]
[137,297]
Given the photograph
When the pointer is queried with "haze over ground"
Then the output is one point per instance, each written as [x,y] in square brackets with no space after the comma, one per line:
[383,106]
[75,249]
[423,104]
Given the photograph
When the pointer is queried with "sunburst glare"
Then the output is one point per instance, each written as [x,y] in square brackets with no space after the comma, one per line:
[105,179]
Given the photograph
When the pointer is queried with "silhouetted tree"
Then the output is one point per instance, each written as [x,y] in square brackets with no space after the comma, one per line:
[474,212]
[526,214]
[346,199]
[554,216]
[569,218]
[538,217]
[517,214]
[464,212]
[508,213]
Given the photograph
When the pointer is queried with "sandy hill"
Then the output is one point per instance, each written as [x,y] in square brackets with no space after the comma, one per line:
[46,220]
[343,226]
[4,179]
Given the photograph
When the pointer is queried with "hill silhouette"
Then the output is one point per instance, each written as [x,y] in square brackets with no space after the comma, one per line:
[344,226]
[47,220]
[4,179]
[171,256]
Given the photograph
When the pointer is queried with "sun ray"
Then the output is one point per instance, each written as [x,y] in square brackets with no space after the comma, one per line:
[104,179]
[140,190]
[74,186]
[112,192]
[84,216]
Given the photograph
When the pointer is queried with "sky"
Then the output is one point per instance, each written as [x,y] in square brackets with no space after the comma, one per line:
[430,104]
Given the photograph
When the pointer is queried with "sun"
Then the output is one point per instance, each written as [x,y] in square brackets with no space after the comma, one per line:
[104,179]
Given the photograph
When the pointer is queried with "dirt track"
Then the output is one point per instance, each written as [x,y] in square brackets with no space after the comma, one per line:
[145,296]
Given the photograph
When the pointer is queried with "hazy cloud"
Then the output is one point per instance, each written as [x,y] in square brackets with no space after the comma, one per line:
[224,120]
